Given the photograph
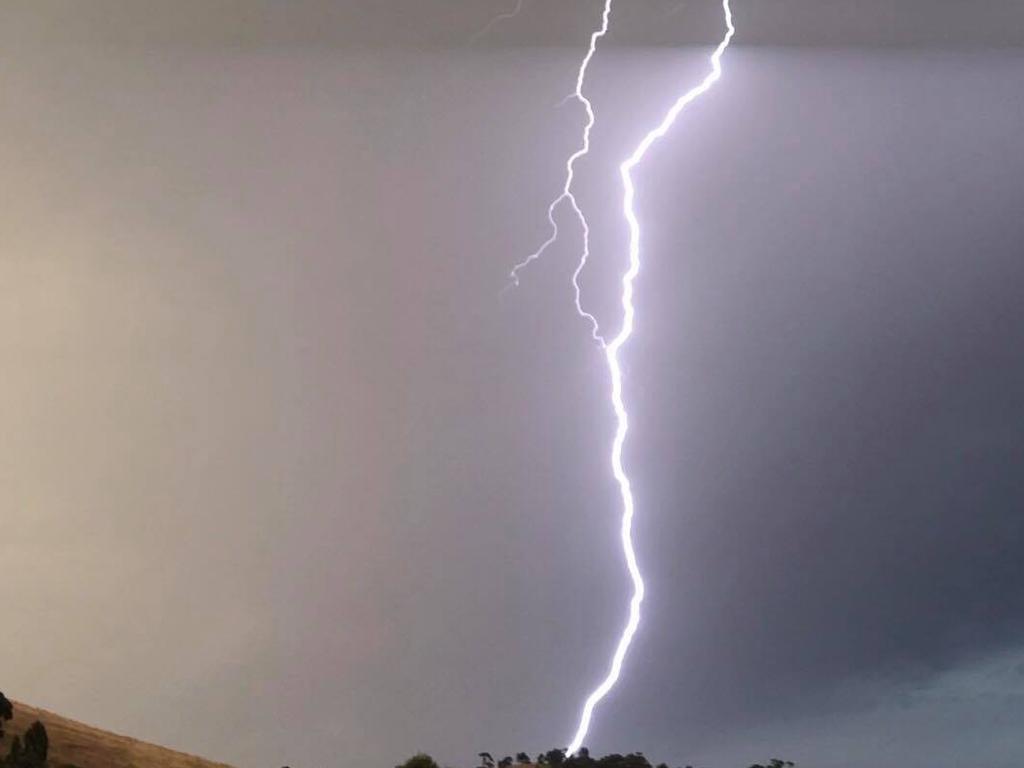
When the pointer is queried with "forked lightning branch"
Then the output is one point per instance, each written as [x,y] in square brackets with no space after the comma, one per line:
[611,348]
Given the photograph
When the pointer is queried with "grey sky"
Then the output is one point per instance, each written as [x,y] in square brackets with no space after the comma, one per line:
[443,23]
[288,482]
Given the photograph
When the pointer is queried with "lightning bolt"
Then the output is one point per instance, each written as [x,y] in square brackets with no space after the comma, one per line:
[611,351]
[570,175]
[614,346]
[497,19]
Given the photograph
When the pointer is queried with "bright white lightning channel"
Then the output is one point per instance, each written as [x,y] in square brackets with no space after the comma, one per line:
[612,356]
[611,348]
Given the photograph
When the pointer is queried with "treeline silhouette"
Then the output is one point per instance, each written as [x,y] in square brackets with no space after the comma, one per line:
[28,750]
[557,758]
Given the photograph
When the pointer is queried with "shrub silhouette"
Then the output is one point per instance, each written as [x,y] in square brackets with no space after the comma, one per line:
[15,755]
[419,760]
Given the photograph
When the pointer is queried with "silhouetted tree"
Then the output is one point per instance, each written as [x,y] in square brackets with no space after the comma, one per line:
[581,759]
[555,756]
[6,712]
[30,750]
[419,760]
[37,744]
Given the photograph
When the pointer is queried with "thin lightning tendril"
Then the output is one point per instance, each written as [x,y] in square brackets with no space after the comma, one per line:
[497,19]
[566,194]
[611,350]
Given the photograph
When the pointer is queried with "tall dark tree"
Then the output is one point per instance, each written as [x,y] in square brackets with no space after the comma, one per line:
[505,762]
[6,712]
[37,745]
[523,758]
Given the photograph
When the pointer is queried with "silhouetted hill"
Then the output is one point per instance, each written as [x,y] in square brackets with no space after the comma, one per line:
[76,744]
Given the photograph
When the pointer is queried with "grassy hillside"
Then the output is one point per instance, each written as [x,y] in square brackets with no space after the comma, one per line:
[72,743]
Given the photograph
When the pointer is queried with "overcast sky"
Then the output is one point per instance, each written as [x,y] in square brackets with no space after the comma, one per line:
[288,480]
